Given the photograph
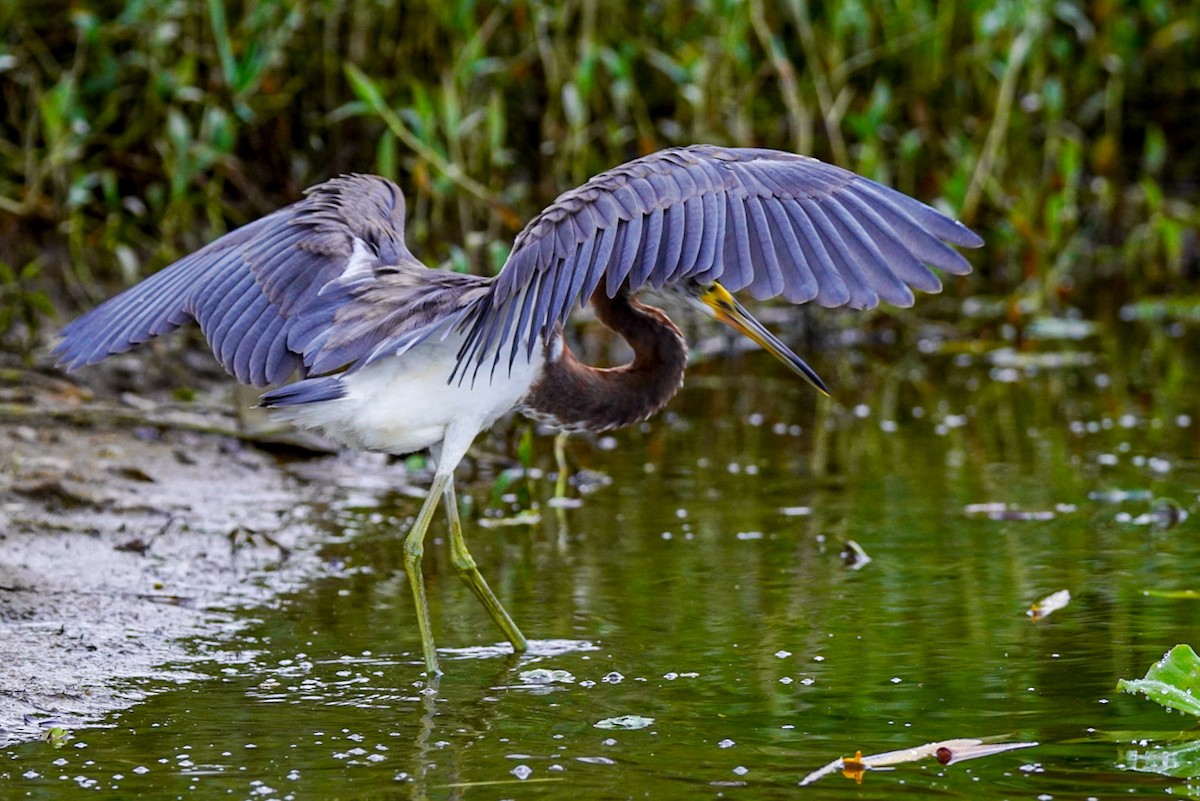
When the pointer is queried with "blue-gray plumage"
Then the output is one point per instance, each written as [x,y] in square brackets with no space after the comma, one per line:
[396,357]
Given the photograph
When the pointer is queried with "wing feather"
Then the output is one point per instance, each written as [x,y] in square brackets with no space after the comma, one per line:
[862,295]
[831,285]
[923,244]
[880,273]
[691,232]
[298,289]
[708,261]
[739,270]
[800,285]
[670,256]
[609,244]
[647,257]
[630,247]
[768,275]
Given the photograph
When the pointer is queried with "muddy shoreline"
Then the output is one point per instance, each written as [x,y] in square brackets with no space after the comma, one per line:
[131,524]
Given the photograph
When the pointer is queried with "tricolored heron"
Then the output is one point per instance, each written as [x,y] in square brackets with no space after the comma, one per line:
[395,357]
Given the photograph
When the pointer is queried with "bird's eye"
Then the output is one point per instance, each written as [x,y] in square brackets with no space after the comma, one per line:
[717,296]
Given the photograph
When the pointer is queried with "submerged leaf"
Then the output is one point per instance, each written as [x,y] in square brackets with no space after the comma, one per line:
[1173,681]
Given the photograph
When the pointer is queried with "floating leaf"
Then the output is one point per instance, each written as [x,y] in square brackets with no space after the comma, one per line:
[1181,760]
[1173,681]
[1051,603]
[946,752]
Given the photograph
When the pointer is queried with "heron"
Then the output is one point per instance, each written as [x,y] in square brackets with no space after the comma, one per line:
[390,355]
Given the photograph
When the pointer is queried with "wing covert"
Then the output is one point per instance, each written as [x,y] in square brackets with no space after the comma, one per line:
[769,222]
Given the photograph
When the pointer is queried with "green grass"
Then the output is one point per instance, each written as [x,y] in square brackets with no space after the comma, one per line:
[1063,131]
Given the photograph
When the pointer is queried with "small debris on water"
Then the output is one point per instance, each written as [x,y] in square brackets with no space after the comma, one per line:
[627,722]
[1119,495]
[1165,514]
[1003,511]
[946,752]
[853,556]
[546,676]
[796,511]
[564,503]
[1051,603]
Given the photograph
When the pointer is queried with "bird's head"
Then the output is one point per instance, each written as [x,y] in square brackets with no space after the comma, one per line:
[715,301]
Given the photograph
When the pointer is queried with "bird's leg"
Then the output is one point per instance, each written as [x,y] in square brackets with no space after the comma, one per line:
[560,459]
[414,548]
[464,563]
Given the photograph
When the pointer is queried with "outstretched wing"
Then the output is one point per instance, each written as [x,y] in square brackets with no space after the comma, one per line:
[312,287]
[769,222]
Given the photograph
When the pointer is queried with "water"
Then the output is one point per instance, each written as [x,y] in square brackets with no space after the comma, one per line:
[697,605]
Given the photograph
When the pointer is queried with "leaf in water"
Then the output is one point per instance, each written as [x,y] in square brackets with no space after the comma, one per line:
[1173,681]
[946,752]
[629,722]
[1181,760]
[1051,603]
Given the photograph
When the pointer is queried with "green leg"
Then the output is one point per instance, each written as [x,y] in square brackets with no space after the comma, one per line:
[560,458]
[414,548]
[464,563]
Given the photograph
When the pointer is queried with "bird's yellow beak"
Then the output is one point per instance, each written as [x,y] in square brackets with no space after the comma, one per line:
[730,312]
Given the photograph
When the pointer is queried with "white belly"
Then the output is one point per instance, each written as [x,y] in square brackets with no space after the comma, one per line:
[405,403]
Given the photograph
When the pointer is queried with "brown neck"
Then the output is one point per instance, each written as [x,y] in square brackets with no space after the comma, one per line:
[575,397]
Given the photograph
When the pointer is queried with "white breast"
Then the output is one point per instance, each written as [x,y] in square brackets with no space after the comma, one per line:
[404,404]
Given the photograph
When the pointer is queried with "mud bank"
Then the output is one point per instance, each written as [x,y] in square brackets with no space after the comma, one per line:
[130,530]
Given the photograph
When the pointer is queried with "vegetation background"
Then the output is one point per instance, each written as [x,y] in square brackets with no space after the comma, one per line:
[133,131]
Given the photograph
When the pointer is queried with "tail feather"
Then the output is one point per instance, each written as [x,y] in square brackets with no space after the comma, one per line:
[310,390]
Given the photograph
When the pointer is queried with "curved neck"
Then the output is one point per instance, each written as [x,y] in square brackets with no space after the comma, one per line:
[576,397]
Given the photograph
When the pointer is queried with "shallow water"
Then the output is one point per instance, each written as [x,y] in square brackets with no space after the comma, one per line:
[696,604]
